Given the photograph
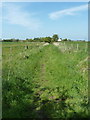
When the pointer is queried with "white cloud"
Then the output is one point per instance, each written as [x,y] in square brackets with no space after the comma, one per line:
[15,14]
[70,11]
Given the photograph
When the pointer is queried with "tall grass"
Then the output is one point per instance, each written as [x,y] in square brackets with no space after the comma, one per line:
[44,81]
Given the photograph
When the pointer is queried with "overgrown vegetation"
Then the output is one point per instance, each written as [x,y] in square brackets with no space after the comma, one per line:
[45,81]
[48,39]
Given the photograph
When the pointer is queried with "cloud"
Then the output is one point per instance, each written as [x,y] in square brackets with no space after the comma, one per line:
[70,11]
[16,15]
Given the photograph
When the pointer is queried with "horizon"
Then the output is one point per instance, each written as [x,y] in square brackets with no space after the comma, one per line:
[43,37]
[22,20]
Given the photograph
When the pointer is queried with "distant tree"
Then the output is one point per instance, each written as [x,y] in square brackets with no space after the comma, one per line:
[65,39]
[55,38]
[36,39]
[48,39]
[69,40]
[29,40]
[42,39]
[17,40]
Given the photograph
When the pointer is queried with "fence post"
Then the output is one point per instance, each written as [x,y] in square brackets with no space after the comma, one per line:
[9,62]
[77,46]
[86,47]
[71,45]
[65,47]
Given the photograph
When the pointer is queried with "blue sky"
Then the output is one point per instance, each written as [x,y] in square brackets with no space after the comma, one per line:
[38,19]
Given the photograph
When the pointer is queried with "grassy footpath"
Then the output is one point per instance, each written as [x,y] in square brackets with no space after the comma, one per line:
[44,82]
[61,81]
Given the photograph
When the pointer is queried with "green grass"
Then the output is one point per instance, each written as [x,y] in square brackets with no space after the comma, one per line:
[45,81]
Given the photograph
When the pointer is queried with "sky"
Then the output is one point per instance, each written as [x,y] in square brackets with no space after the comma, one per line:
[23,20]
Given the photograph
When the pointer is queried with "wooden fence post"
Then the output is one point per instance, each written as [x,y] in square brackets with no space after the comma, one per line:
[10,57]
[77,47]
[86,47]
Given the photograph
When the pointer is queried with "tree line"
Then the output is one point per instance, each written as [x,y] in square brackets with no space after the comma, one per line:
[48,39]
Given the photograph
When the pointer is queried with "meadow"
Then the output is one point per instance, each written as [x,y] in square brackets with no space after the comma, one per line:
[45,81]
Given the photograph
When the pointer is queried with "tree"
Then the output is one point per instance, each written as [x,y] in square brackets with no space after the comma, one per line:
[17,40]
[48,39]
[37,39]
[29,40]
[65,39]
[55,38]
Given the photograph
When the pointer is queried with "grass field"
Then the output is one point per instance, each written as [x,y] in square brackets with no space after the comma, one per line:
[45,81]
